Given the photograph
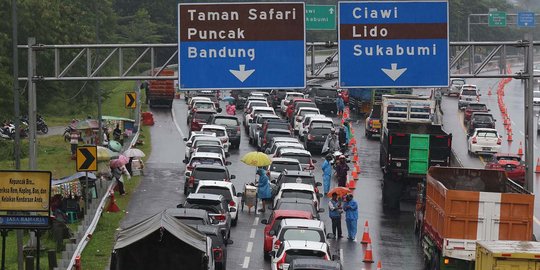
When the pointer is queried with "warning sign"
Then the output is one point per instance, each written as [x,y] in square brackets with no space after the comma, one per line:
[25,191]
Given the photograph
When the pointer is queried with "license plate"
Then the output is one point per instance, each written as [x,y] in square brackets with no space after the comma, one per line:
[486,148]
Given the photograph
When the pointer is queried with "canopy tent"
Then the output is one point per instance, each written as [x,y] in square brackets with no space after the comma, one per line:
[160,242]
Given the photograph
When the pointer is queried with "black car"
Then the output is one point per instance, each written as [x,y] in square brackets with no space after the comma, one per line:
[218,245]
[205,172]
[306,205]
[325,98]
[217,208]
[316,137]
[240,97]
[481,120]
[232,124]
[271,133]
[276,96]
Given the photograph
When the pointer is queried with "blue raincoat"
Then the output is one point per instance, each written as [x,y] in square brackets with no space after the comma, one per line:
[327,175]
[351,217]
[340,104]
[264,191]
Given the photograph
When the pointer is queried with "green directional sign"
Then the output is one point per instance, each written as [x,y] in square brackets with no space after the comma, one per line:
[320,17]
[497,19]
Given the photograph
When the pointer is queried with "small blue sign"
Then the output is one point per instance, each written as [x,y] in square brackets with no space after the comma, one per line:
[393,44]
[28,222]
[241,46]
[526,19]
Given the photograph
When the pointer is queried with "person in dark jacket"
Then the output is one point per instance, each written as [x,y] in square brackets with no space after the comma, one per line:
[334,211]
[341,171]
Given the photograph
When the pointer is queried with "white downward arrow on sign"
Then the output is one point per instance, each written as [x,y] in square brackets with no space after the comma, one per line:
[394,73]
[242,74]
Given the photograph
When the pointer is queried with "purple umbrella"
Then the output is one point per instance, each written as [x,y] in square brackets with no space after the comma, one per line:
[119,162]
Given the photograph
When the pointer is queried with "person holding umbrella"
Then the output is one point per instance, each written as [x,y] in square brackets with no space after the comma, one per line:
[118,169]
[264,191]
[334,207]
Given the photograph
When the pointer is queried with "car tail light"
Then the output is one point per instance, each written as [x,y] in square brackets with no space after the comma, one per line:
[191,181]
[238,129]
[326,257]
[474,140]
[280,263]
[499,141]
[220,217]
[224,140]
[277,244]
[390,139]
[316,190]
[232,204]
[218,254]
[370,122]
[310,137]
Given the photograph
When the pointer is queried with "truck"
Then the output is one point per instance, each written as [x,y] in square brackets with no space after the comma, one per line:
[507,255]
[362,100]
[161,92]
[405,108]
[456,207]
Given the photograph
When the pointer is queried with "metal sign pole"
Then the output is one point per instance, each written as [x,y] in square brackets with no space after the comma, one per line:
[37,248]
[86,199]
[32,107]
[529,114]
[4,235]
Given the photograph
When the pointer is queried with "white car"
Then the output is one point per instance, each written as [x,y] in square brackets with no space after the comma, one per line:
[276,146]
[302,112]
[195,99]
[484,140]
[206,140]
[291,229]
[227,190]
[278,165]
[203,104]
[282,140]
[310,119]
[256,124]
[254,112]
[293,249]
[303,156]
[536,98]
[298,191]
[204,159]
[288,97]
[221,133]
[189,142]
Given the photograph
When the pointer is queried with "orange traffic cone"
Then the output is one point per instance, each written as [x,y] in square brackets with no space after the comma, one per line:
[520,150]
[357,167]
[355,158]
[354,150]
[368,254]
[379,265]
[366,239]
[506,121]
[510,137]
[537,169]
[355,175]
[351,184]
[112,205]
[352,141]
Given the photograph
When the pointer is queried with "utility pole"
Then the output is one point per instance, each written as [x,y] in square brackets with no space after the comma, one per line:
[529,113]
[32,106]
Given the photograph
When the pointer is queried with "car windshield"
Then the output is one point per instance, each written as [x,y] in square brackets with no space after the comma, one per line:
[209,149]
[219,132]
[468,93]
[192,220]
[293,254]
[257,104]
[320,131]
[310,180]
[280,166]
[536,94]
[276,133]
[278,125]
[203,105]
[291,96]
[487,134]
[508,158]
[477,107]
[229,122]
[301,158]
[295,146]
[458,82]
[299,194]
[212,142]
[305,112]
[328,93]
[210,174]
[301,234]
[200,116]
[206,161]
[482,118]
[216,190]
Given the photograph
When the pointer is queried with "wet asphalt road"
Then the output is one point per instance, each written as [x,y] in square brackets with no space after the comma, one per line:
[393,236]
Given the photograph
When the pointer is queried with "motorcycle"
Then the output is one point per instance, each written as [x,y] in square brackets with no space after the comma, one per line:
[335,156]
[40,124]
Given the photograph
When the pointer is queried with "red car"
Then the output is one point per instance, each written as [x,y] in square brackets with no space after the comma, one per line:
[199,118]
[511,164]
[272,223]
[474,107]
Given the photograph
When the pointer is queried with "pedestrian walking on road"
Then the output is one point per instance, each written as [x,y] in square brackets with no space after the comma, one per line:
[230,108]
[438,100]
[327,173]
[264,192]
[335,210]
[340,104]
[341,171]
[331,144]
[117,173]
[351,216]
[74,141]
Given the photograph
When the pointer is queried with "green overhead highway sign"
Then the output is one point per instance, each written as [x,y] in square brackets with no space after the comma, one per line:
[497,19]
[320,17]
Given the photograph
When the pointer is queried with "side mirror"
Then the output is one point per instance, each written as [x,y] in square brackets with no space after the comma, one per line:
[185,161]
[233,176]
[227,163]
[314,161]
[227,155]
[318,184]
[229,242]
[272,232]
[179,206]
[321,210]
[188,144]
[219,110]
[319,195]
[185,139]
[273,253]
[330,235]
[232,210]
[188,174]
[239,194]
[264,221]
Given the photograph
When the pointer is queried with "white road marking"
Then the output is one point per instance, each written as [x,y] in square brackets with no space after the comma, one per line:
[521,132]
[341,255]
[256,221]
[176,124]
[252,234]
[536,220]
[246,262]
[249,247]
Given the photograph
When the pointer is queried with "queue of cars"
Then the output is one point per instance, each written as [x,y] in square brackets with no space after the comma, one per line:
[293,231]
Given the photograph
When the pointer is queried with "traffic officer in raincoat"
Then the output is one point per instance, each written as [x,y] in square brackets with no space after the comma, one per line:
[264,192]
[351,216]
[327,173]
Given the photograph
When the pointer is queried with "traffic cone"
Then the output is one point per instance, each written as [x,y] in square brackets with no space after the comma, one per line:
[506,122]
[355,157]
[366,239]
[379,265]
[510,137]
[351,184]
[354,175]
[520,150]
[112,205]
[352,141]
[357,167]
[489,91]
[354,150]
[537,169]
[368,254]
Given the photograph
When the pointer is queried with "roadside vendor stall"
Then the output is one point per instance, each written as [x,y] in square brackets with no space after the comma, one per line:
[70,190]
